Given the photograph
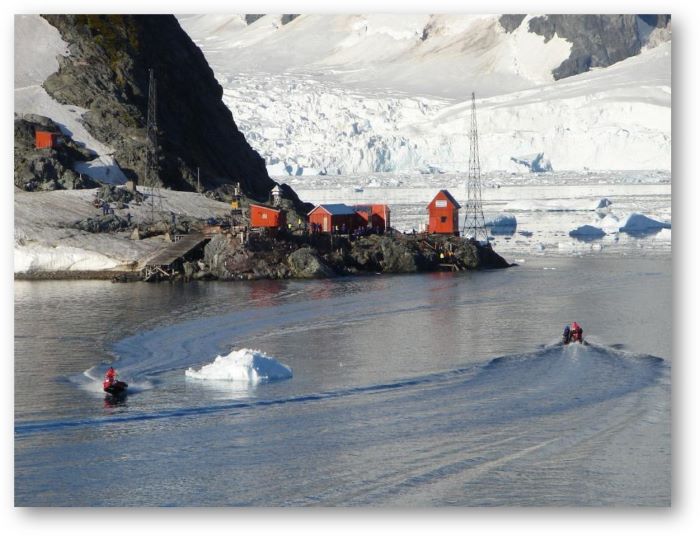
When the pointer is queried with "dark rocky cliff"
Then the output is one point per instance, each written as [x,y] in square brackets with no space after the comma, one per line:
[597,40]
[107,73]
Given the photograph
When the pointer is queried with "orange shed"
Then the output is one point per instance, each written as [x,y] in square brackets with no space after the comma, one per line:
[334,217]
[44,139]
[443,214]
[378,217]
[262,216]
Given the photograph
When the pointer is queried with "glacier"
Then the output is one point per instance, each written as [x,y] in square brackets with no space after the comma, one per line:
[343,95]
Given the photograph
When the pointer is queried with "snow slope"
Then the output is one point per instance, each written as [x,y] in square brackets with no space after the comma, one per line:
[405,53]
[45,242]
[389,93]
[37,46]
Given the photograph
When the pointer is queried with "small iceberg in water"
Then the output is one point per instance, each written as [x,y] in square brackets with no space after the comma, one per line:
[603,204]
[587,232]
[639,225]
[244,365]
[503,224]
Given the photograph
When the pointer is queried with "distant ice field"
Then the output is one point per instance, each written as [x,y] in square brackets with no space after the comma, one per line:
[546,206]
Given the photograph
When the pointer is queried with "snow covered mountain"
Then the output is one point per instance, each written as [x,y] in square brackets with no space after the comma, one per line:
[347,94]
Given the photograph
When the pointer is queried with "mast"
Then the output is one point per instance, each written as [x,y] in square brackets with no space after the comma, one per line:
[152,180]
[474,218]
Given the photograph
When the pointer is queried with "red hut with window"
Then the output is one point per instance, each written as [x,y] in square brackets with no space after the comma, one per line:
[45,140]
[267,217]
[376,217]
[333,218]
[443,214]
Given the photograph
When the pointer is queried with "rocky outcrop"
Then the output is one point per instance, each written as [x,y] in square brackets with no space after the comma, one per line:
[107,73]
[121,196]
[408,254]
[108,223]
[284,19]
[294,257]
[596,40]
[225,258]
[305,263]
[46,168]
[511,22]
[384,254]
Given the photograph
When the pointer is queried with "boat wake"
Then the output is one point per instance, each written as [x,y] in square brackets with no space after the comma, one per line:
[553,380]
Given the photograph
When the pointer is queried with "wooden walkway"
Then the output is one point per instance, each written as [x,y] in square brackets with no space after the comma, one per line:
[163,260]
[450,266]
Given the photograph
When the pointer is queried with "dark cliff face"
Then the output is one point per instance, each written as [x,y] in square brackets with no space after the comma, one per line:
[107,73]
[597,40]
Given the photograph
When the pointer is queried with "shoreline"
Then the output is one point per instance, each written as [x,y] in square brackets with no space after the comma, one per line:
[130,276]
[78,275]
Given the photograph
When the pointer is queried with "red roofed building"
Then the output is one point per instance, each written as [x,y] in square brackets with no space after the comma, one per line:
[443,214]
[44,139]
[377,217]
[262,216]
[335,217]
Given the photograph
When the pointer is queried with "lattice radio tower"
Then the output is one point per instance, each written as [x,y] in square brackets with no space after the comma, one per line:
[474,218]
[152,180]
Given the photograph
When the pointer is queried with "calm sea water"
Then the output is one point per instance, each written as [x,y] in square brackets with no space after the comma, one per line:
[439,389]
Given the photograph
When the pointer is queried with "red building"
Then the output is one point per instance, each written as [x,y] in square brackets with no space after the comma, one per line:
[443,214]
[262,216]
[334,217]
[376,217]
[44,139]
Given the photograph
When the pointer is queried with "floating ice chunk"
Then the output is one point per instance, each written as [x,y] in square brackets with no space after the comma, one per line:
[603,203]
[244,365]
[639,224]
[587,232]
[502,224]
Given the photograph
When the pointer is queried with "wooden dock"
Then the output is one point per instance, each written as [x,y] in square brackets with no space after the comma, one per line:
[161,264]
[450,266]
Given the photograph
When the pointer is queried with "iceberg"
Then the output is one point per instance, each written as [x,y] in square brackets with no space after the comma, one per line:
[503,224]
[603,203]
[244,365]
[587,232]
[640,225]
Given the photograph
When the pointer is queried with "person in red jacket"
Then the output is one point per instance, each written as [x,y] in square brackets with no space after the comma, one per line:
[110,378]
[576,332]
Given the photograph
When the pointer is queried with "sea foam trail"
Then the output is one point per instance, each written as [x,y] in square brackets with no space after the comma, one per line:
[244,365]
[510,388]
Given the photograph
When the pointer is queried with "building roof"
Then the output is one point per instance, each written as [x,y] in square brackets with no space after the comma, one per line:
[336,209]
[265,207]
[371,207]
[448,195]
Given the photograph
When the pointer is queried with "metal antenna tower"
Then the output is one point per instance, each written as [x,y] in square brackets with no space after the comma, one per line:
[474,218]
[152,180]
